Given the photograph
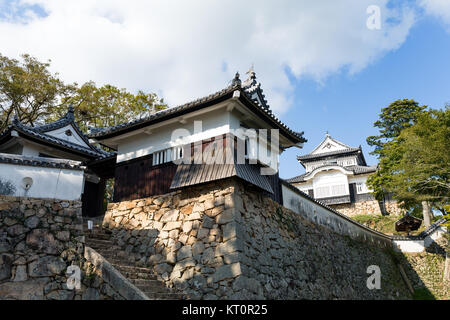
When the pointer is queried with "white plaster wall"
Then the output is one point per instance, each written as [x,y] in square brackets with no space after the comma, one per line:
[409,245]
[339,223]
[31,150]
[261,150]
[61,134]
[358,178]
[436,234]
[329,179]
[53,183]
[212,124]
[419,245]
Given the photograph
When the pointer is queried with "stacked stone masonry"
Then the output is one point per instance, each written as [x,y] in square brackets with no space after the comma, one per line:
[368,207]
[226,241]
[39,240]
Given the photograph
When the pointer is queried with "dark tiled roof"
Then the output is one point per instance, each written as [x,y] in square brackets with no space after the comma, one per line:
[327,154]
[93,152]
[67,119]
[39,133]
[361,169]
[221,95]
[102,132]
[355,169]
[296,179]
[40,162]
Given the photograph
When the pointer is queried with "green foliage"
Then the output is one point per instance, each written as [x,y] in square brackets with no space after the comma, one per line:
[384,224]
[399,115]
[105,106]
[414,160]
[29,90]
[423,294]
[422,171]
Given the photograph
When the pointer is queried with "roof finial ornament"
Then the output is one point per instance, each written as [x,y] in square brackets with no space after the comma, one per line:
[236,80]
[251,72]
[70,112]
[327,134]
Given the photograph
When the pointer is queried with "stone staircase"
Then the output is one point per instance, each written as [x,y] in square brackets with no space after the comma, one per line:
[99,239]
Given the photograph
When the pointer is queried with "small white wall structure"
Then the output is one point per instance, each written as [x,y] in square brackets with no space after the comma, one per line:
[41,177]
[419,245]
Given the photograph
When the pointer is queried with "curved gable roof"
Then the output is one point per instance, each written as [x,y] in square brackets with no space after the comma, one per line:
[246,94]
[39,135]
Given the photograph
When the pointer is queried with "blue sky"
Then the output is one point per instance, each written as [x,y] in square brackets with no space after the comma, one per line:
[347,106]
[320,66]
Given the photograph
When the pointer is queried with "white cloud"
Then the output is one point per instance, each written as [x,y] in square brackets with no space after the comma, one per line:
[187,49]
[438,8]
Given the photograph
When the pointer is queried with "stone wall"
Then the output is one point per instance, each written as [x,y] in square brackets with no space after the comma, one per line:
[286,256]
[187,237]
[39,240]
[225,241]
[425,270]
[368,207]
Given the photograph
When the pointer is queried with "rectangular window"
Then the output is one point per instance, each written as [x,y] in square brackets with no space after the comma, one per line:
[330,191]
[361,187]
[167,155]
[177,153]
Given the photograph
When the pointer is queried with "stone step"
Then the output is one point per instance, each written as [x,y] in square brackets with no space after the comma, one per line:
[100,242]
[146,283]
[121,261]
[139,276]
[152,289]
[110,251]
[97,236]
[132,269]
[166,296]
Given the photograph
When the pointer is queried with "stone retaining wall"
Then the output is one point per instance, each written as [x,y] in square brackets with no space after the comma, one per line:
[286,256]
[39,240]
[187,237]
[368,207]
[225,241]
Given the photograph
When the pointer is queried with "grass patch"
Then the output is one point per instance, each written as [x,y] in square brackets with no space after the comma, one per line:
[423,294]
[384,224]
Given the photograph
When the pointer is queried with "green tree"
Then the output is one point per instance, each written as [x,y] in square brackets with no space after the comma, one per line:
[29,90]
[414,166]
[421,160]
[108,105]
[399,115]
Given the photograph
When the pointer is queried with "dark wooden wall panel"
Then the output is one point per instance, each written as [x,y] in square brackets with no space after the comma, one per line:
[275,183]
[92,198]
[139,179]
